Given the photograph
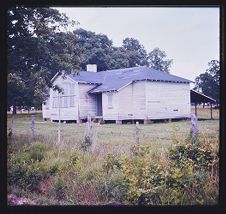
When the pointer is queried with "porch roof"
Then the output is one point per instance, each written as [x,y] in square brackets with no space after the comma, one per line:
[197,97]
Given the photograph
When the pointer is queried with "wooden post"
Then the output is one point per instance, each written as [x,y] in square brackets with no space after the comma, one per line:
[12,127]
[196,109]
[211,111]
[33,126]
[137,133]
[194,128]
[59,125]
[90,128]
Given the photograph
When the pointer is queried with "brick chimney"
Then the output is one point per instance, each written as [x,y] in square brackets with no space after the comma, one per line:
[91,67]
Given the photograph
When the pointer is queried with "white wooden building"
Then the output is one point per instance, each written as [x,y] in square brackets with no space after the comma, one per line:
[138,93]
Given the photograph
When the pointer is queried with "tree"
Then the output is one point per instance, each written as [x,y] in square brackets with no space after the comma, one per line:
[208,83]
[157,60]
[136,54]
[36,52]
[118,58]
[96,49]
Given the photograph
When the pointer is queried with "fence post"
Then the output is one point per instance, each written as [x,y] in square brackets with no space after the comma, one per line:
[194,128]
[211,111]
[137,133]
[90,128]
[33,126]
[59,125]
[12,127]
[10,133]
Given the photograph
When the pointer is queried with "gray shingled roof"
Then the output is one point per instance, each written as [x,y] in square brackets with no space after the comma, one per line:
[113,80]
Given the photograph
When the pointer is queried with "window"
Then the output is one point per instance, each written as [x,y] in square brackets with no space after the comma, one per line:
[55,102]
[110,100]
[67,99]
[72,89]
[72,101]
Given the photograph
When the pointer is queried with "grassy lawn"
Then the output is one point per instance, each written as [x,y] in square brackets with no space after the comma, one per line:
[88,182]
[113,135]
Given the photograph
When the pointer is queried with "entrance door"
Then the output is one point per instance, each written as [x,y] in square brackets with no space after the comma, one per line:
[99,105]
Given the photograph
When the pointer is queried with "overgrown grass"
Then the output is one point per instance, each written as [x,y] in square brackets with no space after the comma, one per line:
[164,169]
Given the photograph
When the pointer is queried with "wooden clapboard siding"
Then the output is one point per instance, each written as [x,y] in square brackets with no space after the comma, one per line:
[110,113]
[69,113]
[167,100]
[149,100]
[125,104]
[87,102]
[132,101]
[139,100]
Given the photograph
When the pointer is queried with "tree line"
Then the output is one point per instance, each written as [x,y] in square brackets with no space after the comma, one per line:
[39,45]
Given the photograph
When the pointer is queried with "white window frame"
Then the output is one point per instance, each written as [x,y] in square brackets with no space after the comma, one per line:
[67,99]
[110,100]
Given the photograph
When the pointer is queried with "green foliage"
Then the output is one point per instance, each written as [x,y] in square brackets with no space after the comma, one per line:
[146,174]
[209,82]
[86,143]
[25,175]
[119,58]
[149,178]
[29,71]
[141,150]
[111,163]
[157,60]
[59,187]
[201,157]
[95,49]
[136,54]
[112,187]
[24,169]
[36,151]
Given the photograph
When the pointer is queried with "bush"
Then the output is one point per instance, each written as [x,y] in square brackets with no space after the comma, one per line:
[112,187]
[86,143]
[25,169]
[36,151]
[59,188]
[198,155]
[26,175]
[110,163]
[183,174]
[179,177]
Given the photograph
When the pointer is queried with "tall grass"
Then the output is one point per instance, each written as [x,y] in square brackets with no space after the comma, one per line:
[115,170]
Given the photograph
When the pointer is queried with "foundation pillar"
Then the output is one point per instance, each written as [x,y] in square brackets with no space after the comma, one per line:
[146,121]
[118,121]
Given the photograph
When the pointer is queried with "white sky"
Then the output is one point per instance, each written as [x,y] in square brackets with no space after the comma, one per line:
[189,36]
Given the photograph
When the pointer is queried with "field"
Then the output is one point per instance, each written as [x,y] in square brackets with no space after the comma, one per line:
[74,173]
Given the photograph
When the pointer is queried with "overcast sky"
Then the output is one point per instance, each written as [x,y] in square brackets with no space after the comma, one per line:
[189,36]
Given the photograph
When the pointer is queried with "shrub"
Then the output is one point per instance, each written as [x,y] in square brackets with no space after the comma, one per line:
[198,155]
[59,187]
[140,150]
[25,169]
[143,179]
[26,175]
[86,143]
[110,163]
[179,177]
[36,151]
[112,187]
